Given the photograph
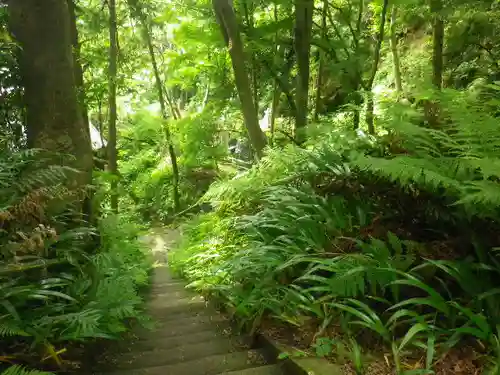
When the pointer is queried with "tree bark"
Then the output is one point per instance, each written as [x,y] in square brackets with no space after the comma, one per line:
[437,43]
[321,67]
[376,58]
[77,63]
[89,208]
[395,53]
[226,18]
[357,81]
[162,98]
[54,118]
[253,63]
[276,87]
[303,28]
[112,152]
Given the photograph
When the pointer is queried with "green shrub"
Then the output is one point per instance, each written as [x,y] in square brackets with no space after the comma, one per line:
[54,289]
[382,235]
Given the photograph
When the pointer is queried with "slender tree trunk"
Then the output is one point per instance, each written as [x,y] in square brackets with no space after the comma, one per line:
[54,118]
[176,113]
[432,109]
[437,43]
[112,152]
[77,62]
[100,119]
[88,207]
[168,134]
[255,79]
[163,98]
[303,28]
[226,18]
[274,111]
[321,67]
[276,87]
[376,58]
[395,53]
[358,79]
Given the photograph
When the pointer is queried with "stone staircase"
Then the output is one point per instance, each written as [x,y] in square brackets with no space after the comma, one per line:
[189,338]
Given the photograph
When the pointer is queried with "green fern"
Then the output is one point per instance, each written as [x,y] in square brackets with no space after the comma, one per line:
[9,328]
[20,370]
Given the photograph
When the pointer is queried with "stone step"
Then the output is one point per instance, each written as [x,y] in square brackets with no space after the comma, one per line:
[166,302]
[161,275]
[168,284]
[155,342]
[169,329]
[171,295]
[167,356]
[211,365]
[162,315]
[261,370]
[170,311]
[204,315]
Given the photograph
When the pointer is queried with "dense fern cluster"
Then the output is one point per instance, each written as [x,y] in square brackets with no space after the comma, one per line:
[382,235]
[53,289]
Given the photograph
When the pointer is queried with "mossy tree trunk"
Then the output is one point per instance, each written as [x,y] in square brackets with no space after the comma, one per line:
[54,117]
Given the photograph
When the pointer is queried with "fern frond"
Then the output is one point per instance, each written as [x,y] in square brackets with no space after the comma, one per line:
[20,370]
[9,328]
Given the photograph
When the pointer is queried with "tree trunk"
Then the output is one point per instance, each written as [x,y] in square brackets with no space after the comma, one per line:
[77,63]
[274,110]
[226,18]
[168,135]
[162,97]
[395,53]
[255,79]
[276,87]
[54,118]
[112,152]
[321,68]
[303,28]
[88,207]
[437,43]
[376,58]
[176,113]
[357,81]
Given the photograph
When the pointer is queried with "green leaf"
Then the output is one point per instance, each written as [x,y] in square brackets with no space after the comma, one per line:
[412,332]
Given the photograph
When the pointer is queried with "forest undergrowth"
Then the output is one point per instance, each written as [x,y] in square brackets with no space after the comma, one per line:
[378,252]
[62,284]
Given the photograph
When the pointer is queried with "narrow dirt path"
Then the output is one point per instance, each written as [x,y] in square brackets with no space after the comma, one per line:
[189,337]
